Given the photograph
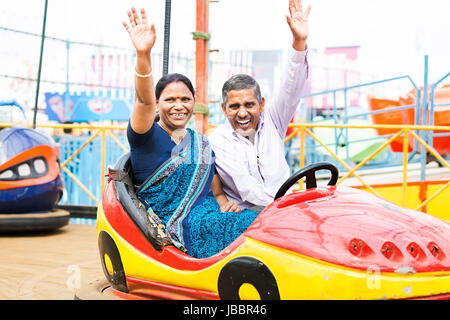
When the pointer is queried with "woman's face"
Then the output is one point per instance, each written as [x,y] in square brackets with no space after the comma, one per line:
[175,106]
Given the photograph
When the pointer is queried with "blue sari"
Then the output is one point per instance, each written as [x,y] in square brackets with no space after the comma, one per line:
[174,193]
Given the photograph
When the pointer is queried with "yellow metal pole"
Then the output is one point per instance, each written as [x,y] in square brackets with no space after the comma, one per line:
[78,182]
[80,148]
[384,145]
[302,154]
[65,126]
[342,162]
[432,151]
[405,166]
[117,141]
[102,176]
[373,126]
[434,195]
[289,137]
[293,125]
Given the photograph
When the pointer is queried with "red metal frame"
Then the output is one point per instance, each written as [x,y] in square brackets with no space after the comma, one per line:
[201,66]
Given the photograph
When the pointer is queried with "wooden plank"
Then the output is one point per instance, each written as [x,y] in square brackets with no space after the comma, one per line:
[48,266]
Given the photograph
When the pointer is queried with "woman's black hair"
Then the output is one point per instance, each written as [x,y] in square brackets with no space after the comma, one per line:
[172,77]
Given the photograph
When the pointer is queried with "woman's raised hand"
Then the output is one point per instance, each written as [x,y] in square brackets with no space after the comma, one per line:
[141,34]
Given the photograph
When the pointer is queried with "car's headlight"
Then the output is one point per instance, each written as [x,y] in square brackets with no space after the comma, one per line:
[39,166]
[6,175]
[24,170]
[31,168]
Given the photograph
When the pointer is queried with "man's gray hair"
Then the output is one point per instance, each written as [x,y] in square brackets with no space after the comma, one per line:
[240,82]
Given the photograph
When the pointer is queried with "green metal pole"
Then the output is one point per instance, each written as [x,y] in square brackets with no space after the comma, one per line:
[40,65]
[166,37]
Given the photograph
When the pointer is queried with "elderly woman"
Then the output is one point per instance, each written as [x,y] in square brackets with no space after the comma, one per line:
[173,165]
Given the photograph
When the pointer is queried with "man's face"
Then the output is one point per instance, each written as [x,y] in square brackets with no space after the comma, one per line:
[243,110]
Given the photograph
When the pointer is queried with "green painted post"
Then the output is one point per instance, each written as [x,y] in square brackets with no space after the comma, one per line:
[166,37]
[40,65]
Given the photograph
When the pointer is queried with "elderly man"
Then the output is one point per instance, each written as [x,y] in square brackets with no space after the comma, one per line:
[249,147]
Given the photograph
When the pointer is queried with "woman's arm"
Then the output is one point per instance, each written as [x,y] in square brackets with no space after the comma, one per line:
[225,204]
[143,38]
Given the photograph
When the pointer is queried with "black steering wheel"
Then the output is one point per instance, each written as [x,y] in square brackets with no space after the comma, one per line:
[310,173]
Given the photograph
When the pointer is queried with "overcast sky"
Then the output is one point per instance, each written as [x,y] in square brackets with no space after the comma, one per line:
[390,30]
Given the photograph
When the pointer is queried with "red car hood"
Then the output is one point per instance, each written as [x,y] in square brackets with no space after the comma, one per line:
[354,228]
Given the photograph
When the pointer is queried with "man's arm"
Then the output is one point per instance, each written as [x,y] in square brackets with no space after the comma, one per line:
[247,188]
[225,204]
[295,74]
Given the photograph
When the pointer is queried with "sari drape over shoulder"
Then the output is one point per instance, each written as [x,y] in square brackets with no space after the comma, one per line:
[175,194]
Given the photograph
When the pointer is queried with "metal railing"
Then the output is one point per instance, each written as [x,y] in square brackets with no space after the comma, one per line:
[343,116]
[405,131]
[98,131]
[304,129]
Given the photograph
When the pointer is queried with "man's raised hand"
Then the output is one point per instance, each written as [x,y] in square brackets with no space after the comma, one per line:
[298,22]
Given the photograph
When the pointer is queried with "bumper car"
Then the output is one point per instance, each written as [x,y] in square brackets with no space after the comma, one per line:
[30,182]
[320,243]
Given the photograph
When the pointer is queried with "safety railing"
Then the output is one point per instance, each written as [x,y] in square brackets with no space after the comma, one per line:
[303,130]
[433,105]
[99,132]
[403,131]
[423,109]
[103,133]
[343,116]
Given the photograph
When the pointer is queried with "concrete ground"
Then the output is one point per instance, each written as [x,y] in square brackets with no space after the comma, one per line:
[48,266]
